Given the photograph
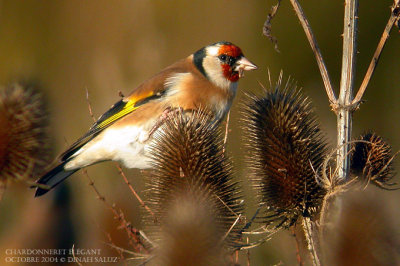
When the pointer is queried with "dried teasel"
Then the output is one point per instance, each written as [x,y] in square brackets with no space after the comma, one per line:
[286,151]
[23,142]
[371,160]
[188,159]
[189,234]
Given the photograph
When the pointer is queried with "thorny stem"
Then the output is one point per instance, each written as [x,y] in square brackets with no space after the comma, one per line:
[395,15]
[344,112]
[134,192]
[121,254]
[298,255]
[311,245]
[314,46]
[120,217]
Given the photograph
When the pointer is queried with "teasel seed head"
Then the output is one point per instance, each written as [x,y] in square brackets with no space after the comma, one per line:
[286,151]
[188,159]
[189,232]
[23,138]
[372,160]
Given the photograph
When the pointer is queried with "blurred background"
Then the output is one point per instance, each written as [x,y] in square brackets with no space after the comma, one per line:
[106,47]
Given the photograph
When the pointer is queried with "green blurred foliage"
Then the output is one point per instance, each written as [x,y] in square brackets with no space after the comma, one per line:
[111,46]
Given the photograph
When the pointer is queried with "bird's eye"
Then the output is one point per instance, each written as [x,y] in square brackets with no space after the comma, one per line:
[222,57]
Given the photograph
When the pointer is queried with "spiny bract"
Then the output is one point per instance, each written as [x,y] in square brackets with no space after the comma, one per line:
[372,160]
[23,139]
[188,158]
[286,150]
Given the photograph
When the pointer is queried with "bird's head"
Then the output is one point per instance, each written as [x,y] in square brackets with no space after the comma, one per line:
[223,63]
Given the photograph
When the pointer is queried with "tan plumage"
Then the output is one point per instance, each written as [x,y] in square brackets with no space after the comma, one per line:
[205,80]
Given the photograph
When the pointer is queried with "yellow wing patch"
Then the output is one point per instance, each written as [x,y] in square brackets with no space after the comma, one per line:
[118,111]
[128,108]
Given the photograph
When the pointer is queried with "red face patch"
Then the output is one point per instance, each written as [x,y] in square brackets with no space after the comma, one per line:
[231,75]
[232,51]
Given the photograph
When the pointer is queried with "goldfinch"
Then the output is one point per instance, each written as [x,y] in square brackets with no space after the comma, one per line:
[206,79]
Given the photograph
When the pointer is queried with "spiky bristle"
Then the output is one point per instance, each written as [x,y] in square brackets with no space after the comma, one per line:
[23,123]
[188,158]
[286,150]
[372,160]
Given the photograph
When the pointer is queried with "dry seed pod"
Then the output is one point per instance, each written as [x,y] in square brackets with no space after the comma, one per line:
[188,158]
[23,143]
[372,160]
[189,234]
[286,150]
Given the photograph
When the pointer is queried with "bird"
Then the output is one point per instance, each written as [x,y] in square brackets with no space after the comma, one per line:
[206,79]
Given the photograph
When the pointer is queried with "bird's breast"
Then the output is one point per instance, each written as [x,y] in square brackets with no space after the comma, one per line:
[193,92]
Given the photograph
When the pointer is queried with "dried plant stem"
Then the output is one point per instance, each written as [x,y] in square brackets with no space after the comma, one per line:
[120,217]
[248,253]
[122,250]
[226,132]
[298,255]
[395,15]
[121,254]
[322,217]
[73,254]
[311,237]
[133,191]
[230,229]
[331,202]
[89,106]
[267,28]
[314,46]
[345,109]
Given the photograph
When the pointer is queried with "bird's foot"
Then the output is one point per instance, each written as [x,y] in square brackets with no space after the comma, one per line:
[163,117]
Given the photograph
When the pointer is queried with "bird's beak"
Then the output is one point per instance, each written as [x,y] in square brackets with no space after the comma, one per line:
[244,64]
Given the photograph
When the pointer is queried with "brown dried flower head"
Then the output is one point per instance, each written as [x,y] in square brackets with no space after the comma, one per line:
[23,121]
[189,233]
[188,159]
[372,160]
[286,150]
